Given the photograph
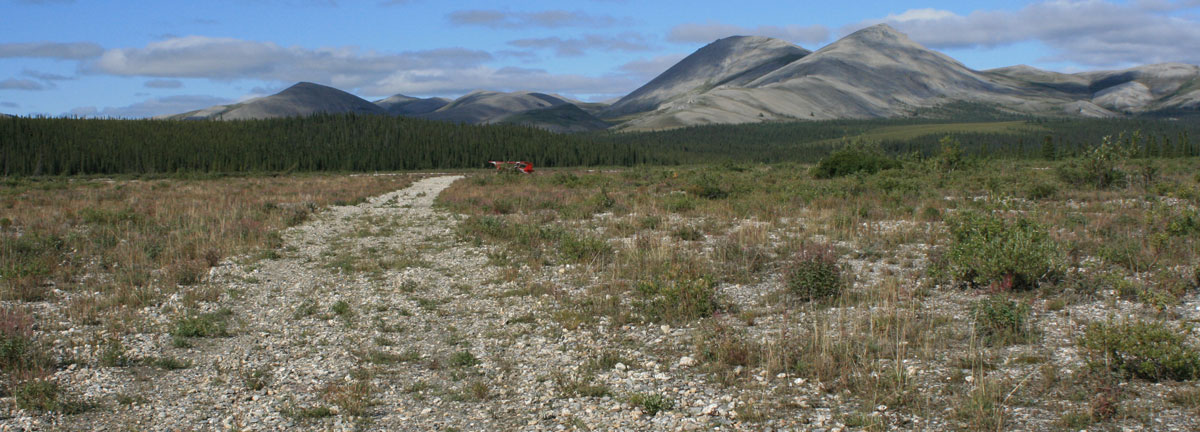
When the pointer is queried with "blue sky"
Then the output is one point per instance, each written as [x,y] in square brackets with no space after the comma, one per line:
[143,58]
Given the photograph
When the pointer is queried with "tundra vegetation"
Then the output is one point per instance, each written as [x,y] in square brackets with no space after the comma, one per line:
[990,293]
[994,293]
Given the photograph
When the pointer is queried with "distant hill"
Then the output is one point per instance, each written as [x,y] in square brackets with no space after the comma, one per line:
[410,106]
[876,72]
[483,107]
[561,118]
[732,61]
[298,100]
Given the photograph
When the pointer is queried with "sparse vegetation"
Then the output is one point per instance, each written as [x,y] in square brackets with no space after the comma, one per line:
[1143,349]
[758,281]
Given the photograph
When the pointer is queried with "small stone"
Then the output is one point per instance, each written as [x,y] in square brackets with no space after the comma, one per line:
[620,366]
[665,328]
[687,361]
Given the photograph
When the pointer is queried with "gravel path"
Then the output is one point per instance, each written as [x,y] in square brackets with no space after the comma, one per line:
[375,317]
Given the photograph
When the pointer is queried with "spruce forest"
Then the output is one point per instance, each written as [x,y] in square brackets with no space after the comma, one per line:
[358,143]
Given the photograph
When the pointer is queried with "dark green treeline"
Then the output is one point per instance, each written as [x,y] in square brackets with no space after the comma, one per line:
[63,146]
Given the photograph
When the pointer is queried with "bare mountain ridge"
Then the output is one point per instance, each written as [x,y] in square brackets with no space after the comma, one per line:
[301,99]
[483,107]
[876,72]
[732,61]
[402,105]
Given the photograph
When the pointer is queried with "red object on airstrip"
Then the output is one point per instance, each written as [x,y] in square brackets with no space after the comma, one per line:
[522,166]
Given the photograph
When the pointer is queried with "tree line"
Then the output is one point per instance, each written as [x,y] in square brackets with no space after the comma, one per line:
[323,142]
[31,146]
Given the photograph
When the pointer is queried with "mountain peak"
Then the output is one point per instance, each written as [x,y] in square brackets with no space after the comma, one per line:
[879,35]
[730,61]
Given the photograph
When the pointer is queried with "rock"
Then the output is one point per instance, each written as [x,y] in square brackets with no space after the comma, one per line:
[687,361]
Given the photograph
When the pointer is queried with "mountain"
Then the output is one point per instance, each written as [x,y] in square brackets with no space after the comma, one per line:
[482,107]
[408,106]
[300,99]
[732,61]
[564,118]
[876,72]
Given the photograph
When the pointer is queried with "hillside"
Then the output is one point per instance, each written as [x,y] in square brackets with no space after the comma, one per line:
[566,118]
[402,105]
[732,61]
[876,72]
[482,107]
[301,99]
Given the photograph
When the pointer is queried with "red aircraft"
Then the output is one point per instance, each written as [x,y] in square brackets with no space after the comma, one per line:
[521,166]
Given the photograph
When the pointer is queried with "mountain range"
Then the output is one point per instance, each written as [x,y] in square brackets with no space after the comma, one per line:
[876,72]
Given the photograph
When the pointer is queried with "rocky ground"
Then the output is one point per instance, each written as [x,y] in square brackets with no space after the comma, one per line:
[376,317]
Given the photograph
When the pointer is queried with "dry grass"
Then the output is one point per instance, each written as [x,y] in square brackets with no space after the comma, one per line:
[899,332]
[92,253]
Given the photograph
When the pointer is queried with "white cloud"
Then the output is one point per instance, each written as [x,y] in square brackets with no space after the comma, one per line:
[152,107]
[450,82]
[591,42]
[1090,32]
[22,84]
[712,30]
[164,84]
[54,50]
[645,70]
[545,19]
[227,58]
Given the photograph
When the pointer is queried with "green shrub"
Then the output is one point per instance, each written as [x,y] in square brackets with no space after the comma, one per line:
[38,395]
[987,250]
[341,308]
[18,350]
[952,155]
[1001,321]
[211,324]
[583,248]
[676,300]
[1099,166]
[463,359]
[721,346]
[652,403]
[1142,349]
[815,274]
[1040,190]
[852,160]
[709,187]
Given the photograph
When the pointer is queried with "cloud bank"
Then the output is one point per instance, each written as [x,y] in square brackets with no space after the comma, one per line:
[712,30]
[1089,33]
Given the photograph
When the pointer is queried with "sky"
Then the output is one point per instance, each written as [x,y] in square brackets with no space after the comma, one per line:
[133,59]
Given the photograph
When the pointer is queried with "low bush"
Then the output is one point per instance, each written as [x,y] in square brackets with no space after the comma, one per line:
[815,274]
[1001,321]
[211,324]
[651,403]
[1147,350]
[850,161]
[676,300]
[987,250]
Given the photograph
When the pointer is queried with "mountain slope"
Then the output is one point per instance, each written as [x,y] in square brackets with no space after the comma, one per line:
[300,99]
[481,107]
[732,61]
[561,119]
[875,72]
[409,106]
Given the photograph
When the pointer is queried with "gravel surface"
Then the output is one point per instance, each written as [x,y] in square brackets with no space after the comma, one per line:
[375,317]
